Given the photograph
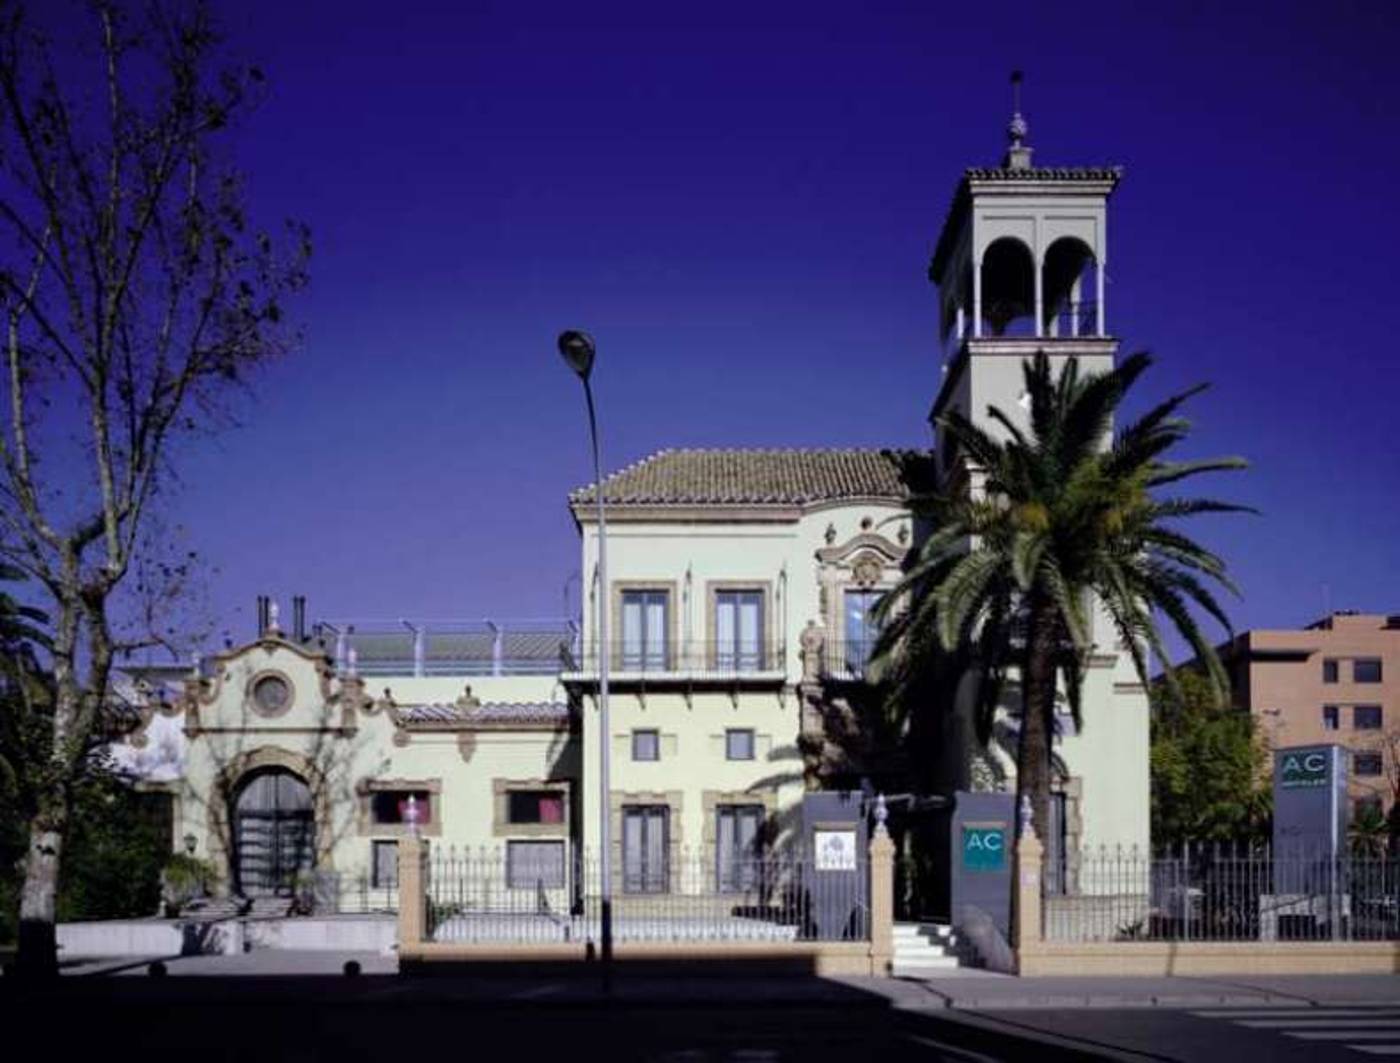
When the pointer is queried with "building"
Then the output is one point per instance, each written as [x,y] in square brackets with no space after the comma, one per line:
[1335,681]
[740,589]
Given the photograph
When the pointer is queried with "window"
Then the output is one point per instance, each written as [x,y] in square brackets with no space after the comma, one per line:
[534,865]
[1366,763]
[645,840]
[1366,670]
[739,630]
[391,806]
[272,695]
[860,629]
[1329,670]
[1366,717]
[1361,804]
[1331,717]
[738,744]
[535,806]
[644,627]
[738,845]
[384,865]
[646,745]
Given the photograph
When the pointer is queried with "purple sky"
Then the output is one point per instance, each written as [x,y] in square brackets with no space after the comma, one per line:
[740,201]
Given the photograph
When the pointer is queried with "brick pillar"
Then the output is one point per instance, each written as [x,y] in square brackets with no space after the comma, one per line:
[413,892]
[1026,932]
[881,901]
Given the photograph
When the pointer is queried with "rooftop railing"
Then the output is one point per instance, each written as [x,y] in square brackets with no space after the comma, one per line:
[450,647]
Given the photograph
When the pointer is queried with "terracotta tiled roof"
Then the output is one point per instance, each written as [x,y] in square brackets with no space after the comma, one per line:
[756,477]
[487,712]
[1044,173]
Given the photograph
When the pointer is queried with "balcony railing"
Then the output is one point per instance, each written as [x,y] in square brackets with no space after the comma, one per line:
[695,659]
[846,660]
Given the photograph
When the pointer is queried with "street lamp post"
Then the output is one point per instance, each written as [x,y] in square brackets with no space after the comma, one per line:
[578,351]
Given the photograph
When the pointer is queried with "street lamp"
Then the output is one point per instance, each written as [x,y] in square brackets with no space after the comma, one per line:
[578,351]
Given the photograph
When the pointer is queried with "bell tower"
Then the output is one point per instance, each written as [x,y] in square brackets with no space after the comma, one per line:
[1019,268]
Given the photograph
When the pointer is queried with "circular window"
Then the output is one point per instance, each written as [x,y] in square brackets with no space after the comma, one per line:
[272,694]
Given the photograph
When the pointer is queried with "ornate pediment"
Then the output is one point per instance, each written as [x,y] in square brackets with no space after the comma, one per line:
[864,542]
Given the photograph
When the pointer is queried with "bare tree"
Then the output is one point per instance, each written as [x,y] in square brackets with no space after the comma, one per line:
[135,295]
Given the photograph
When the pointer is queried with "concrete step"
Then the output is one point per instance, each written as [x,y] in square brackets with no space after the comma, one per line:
[924,968]
[924,949]
[924,930]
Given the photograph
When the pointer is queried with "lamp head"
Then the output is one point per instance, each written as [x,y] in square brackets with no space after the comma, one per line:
[578,350]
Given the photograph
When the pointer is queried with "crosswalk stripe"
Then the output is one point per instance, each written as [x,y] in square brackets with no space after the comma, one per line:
[1343,1035]
[1282,1024]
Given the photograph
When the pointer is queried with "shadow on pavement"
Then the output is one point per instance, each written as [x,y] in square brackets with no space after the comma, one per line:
[695,1011]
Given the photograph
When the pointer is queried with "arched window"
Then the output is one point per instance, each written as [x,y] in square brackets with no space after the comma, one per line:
[1070,305]
[1008,288]
[274,832]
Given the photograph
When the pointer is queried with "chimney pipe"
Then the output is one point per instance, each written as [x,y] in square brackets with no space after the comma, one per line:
[299,618]
[262,615]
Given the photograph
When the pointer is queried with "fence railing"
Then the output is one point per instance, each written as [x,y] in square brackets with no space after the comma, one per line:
[704,658]
[846,660]
[1222,893]
[483,896]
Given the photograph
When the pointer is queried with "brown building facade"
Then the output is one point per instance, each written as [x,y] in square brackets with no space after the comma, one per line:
[1335,681]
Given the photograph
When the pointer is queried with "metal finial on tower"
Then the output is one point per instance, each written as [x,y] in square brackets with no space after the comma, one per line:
[1018,153]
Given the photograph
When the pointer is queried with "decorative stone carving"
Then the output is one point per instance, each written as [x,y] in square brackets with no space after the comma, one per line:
[866,523]
[867,569]
[811,641]
[466,746]
[903,534]
[830,534]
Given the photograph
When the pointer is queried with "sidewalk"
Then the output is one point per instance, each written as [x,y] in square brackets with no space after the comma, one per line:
[982,991]
[964,990]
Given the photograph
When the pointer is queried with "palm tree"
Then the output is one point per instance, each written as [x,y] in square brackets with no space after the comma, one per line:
[1368,831]
[1067,513]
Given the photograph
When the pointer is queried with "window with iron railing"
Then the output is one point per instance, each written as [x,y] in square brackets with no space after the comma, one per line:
[645,615]
[739,630]
[646,831]
[738,845]
[534,865]
[384,864]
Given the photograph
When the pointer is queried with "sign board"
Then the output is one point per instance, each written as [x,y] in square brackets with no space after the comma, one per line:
[1305,768]
[980,837]
[984,847]
[1310,805]
[835,850]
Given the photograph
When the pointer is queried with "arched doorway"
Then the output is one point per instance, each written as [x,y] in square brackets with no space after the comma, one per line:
[274,832]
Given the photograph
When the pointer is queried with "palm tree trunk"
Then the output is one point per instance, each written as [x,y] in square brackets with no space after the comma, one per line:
[1037,710]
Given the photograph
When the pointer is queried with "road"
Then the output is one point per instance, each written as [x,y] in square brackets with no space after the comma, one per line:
[275,1006]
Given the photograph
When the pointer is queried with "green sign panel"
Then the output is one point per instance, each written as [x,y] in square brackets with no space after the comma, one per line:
[984,847]
[1300,769]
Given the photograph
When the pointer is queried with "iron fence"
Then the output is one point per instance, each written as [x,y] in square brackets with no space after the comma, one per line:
[1222,893]
[505,896]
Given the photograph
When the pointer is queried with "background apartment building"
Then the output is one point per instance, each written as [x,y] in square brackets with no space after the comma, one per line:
[1336,680]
